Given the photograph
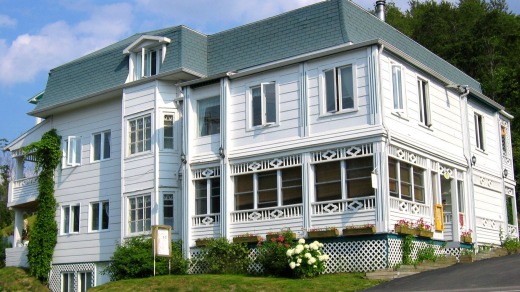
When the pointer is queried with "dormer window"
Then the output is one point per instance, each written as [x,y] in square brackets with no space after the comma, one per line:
[146,56]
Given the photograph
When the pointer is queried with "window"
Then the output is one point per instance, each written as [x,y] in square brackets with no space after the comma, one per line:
[101,146]
[424,102]
[151,58]
[343,179]
[406,181]
[140,134]
[268,189]
[70,219]
[140,213]
[479,131]
[73,151]
[339,89]
[263,104]
[510,211]
[209,116]
[67,282]
[168,132]
[397,88]
[503,139]
[84,281]
[207,196]
[99,216]
[168,209]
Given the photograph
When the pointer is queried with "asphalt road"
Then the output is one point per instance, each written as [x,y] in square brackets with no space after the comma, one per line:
[496,274]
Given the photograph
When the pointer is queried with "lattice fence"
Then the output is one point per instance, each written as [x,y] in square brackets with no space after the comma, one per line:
[57,270]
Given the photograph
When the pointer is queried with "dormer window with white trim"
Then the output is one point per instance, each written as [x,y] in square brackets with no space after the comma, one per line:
[146,56]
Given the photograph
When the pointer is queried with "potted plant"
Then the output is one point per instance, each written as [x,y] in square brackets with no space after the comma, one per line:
[323,232]
[201,242]
[247,238]
[423,229]
[282,233]
[405,227]
[465,236]
[354,230]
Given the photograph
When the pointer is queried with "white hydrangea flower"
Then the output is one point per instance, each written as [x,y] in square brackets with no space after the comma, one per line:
[292,265]
[307,255]
[301,241]
[290,252]
[312,260]
[297,264]
[306,246]
[309,262]
[299,261]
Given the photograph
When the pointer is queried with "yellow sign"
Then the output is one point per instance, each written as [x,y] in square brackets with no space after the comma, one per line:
[439,217]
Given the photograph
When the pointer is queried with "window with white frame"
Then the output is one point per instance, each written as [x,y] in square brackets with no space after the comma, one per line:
[140,213]
[479,131]
[84,281]
[99,215]
[72,149]
[406,180]
[263,104]
[140,134]
[503,139]
[70,219]
[510,200]
[147,62]
[268,189]
[67,282]
[168,131]
[101,146]
[209,116]
[168,211]
[207,196]
[397,88]
[343,179]
[339,89]
[424,102]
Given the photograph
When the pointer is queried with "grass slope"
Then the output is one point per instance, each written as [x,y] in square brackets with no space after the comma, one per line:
[16,279]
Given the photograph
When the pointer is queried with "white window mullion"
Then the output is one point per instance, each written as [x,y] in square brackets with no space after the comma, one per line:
[255,191]
[343,180]
[208,196]
[279,193]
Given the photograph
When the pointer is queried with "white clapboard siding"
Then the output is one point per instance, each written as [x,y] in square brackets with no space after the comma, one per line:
[139,98]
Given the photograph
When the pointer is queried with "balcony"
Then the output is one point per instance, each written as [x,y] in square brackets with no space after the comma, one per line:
[23,191]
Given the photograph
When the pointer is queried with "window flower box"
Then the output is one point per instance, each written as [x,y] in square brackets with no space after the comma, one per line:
[425,233]
[277,235]
[202,242]
[359,230]
[247,239]
[321,233]
[466,239]
[405,230]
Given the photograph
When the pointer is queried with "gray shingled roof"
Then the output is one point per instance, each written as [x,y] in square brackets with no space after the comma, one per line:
[311,28]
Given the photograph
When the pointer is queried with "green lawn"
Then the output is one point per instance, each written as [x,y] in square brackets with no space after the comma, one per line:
[331,282]
[16,279]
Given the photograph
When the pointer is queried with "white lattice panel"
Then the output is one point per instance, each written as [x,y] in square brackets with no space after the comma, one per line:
[355,256]
[56,270]
[262,165]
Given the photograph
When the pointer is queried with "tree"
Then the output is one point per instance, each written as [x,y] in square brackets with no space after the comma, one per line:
[6,216]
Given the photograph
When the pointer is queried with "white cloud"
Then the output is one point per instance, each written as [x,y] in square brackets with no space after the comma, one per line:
[6,21]
[59,42]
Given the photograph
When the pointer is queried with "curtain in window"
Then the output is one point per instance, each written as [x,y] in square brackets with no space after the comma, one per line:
[209,116]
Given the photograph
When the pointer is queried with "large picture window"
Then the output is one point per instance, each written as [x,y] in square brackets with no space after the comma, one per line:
[209,116]
[263,104]
[207,196]
[343,179]
[140,208]
[268,189]
[406,181]
[339,89]
[70,219]
[140,134]
[101,146]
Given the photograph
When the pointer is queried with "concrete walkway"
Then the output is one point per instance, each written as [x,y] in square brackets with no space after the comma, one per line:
[496,274]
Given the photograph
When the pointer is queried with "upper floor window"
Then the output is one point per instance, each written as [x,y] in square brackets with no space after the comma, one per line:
[406,180]
[263,104]
[99,216]
[207,196]
[336,180]
[70,219]
[397,88]
[424,102]
[268,189]
[339,89]
[101,146]
[73,151]
[140,134]
[168,131]
[479,131]
[209,116]
[140,213]
[147,53]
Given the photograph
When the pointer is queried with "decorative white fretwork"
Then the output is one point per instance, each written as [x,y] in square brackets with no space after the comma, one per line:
[409,207]
[407,156]
[487,183]
[344,206]
[204,173]
[267,164]
[445,171]
[205,220]
[267,214]
[509,192]
[342,153]
[57,270]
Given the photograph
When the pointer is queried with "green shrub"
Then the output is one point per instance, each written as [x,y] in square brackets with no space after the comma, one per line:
[220,256]
[3,245]
[427,253]
[512,245]
[134,259]
[272,255]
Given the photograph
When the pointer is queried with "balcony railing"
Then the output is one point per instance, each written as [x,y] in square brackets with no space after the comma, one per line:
[344,206]
[267,214]
[409,207]
[24,190]
[205,220]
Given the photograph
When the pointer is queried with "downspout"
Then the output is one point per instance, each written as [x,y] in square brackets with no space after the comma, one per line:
[185,213]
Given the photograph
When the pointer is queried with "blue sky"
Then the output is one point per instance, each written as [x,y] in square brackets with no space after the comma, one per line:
[36,36]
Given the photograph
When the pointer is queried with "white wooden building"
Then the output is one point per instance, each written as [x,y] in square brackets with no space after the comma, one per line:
[322,116]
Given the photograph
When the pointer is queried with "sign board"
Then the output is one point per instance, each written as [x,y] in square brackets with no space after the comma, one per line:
[439,217]
[162,239]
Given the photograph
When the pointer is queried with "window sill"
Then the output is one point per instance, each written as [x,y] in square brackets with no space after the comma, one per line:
[400,115]
[98,231]
[138,155]
[336,113]
[481,151]
[264,126]
[426,127]
[99,161]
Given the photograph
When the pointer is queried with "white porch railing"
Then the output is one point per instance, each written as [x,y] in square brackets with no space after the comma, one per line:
[267,214]
[24,190]
[205,220]
[409,207]
[344,206]
[512,230]
[448,218]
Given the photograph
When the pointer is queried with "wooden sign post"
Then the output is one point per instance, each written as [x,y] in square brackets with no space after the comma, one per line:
[162,243]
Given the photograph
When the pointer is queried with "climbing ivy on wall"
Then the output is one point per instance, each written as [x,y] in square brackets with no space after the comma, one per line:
[47,154]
